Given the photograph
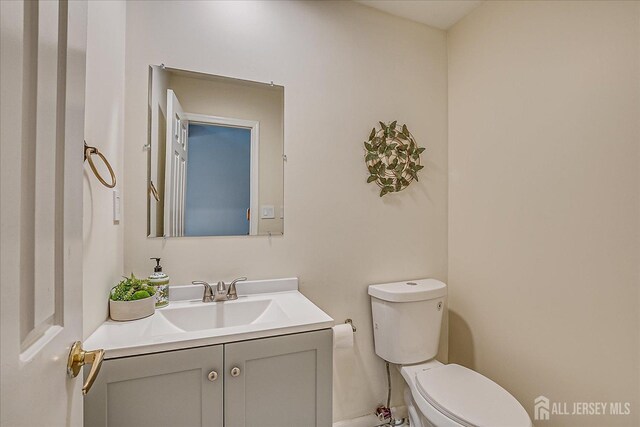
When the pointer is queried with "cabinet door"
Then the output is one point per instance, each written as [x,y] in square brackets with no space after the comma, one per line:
[164,389]
[281,381]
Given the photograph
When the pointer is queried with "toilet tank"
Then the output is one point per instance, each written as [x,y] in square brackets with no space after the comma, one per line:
[407,317]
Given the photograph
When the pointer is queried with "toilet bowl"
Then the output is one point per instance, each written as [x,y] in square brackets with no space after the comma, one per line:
[439,395]
[406,321]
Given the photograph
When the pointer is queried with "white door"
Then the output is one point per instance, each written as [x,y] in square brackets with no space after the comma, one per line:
[176,167]
[42,73]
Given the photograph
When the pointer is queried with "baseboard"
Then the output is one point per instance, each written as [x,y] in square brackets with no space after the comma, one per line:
[365,421]
[370,420]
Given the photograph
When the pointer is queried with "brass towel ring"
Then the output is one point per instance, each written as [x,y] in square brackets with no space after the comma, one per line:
[88,152]
[154,191]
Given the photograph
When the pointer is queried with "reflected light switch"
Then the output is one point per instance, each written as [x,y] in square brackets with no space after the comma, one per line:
[267,212]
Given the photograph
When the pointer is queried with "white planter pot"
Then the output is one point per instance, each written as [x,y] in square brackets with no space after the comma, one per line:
[132,310]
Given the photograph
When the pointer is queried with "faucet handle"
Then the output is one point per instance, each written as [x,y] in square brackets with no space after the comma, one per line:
[232,293]
[200,282]
[208,292]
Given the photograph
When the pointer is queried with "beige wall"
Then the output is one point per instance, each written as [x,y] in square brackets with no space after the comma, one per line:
[104,128]
[544,243]
[344,67]
[544,193]
[246,101]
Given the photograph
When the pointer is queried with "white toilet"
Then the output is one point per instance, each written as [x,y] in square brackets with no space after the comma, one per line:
[406,324]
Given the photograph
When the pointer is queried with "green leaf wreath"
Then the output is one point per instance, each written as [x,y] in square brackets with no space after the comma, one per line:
[392,157]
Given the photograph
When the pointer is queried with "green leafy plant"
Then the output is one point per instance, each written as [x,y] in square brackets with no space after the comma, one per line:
[392,157]
[131,289]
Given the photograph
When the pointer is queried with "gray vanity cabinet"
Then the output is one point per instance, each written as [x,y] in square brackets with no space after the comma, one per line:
[277,381]
[157,390]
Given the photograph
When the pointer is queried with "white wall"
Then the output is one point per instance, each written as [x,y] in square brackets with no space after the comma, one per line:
[344,67]
[104,128]
[544,201]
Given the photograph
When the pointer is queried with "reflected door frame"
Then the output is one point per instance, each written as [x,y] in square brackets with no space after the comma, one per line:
[254,126]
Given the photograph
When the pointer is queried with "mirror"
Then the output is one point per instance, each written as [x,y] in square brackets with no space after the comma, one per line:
[215,155]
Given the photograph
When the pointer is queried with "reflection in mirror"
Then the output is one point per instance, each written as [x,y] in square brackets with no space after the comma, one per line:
[215,155]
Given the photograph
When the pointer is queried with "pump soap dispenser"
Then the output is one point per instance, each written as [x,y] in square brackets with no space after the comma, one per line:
[160,281]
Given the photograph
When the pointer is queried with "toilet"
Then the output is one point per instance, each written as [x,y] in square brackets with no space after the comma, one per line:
[406,325]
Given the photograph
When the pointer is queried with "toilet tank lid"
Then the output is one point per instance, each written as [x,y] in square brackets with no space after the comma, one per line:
[409,290]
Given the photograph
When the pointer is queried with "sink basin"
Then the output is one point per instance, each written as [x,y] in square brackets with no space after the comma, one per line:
[227,314]
[264,308]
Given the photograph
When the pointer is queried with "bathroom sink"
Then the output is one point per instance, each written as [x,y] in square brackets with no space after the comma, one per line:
[264,308]
[243,311]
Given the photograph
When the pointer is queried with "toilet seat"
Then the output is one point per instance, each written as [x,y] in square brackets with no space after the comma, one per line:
[469,398]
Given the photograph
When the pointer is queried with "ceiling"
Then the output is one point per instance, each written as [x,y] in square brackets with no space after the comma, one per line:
[440,14]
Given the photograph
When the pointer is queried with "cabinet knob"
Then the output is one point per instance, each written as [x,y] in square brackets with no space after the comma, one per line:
[213,375]
[235,371]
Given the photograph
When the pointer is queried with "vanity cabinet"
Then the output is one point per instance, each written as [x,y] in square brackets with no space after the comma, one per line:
[282,381]
[278,381]
[162,389]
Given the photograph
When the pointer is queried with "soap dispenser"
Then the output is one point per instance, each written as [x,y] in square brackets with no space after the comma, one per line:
[160,282]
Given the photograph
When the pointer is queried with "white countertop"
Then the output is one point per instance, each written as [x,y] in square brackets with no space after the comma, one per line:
[156,333]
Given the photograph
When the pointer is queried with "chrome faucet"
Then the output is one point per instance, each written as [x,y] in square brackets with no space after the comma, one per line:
[221,292]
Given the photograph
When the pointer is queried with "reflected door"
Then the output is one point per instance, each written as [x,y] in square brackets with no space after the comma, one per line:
[176,167]
[218,197]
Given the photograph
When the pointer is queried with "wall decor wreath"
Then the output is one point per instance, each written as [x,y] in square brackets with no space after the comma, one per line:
[392,157]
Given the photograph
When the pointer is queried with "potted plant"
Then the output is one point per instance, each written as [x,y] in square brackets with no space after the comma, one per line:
[132,299]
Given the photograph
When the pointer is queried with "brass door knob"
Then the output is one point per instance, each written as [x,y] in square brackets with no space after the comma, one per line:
[235,372]
[213,375]
[79,357]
